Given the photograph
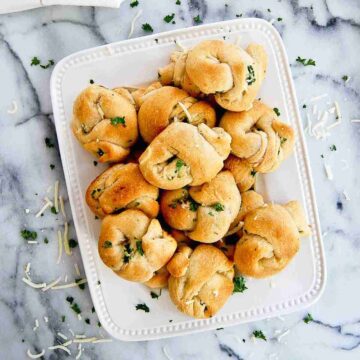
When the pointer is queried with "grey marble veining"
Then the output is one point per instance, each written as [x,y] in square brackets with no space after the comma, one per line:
[327,31]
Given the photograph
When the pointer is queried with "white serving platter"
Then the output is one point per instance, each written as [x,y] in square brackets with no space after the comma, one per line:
[135,62]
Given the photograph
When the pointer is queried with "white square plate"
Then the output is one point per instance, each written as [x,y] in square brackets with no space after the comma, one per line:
[135,62]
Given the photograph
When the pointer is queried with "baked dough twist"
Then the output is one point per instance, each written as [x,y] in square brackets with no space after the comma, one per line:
[205,212]
[184,154]
[122,186]
[243,172]
[105,123]
[259,137]
[215,67]
[162,106]
[134,246]
[270,239]
[201,280]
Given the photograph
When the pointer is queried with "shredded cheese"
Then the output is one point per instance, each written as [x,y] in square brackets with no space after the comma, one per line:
[328,172]
[79,353]
[317,98]
[56,196]
[77,269]
[337,110]
[66,239]
[85,340]
[46,319]
[185,111]
[27,268]
[101,341]
[32,284]
[13,109]
[62,208]
[59,247]
[166,353]
[42,210]
[61,347]
[286,332]
[32,242]
[49,286]
[66,286]
[132,25]
[79,317]
[62,335]
[35,356]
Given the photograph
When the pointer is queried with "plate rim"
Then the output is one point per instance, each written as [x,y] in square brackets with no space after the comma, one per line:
[77,203]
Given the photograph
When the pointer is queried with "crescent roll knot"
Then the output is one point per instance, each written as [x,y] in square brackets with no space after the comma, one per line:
[259,138]
[105,123]
[205,212]
[200,281]
[162,106]
[213,67]
[120,187]
[134,246]
[184,154]
[270,239]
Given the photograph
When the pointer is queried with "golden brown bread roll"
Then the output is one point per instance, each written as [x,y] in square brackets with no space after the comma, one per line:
[134,246]
[159,280]
[184,154]
[168,104]
[201,280]
[244,174]
[270,240]
[232,74]
[122,186]
[205,212]
[259,137]
[105,123]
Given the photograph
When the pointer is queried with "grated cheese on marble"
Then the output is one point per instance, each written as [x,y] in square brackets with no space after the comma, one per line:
[66,286]
[46,319]
[78,355]
[61,347]
[101,341]
[49,286]
[85,340]
[66,239]
[77,269]
[56,196]
[32,284]
[14,108]
[328,172]
[337,110]
[132,25]
[59,247]
[42,210]
[32,242]
[166,353]
[35,356]
[27,268]
[62,335]
[62,207]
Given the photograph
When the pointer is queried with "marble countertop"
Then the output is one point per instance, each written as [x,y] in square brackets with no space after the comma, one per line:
[327,31]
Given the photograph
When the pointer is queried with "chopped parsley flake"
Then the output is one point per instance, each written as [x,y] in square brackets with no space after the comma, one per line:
[333,148]
[127,253]
[283,140]
[49,143]
[178,2]
[250,79]
[197,20]
[253,173]
[345,78]
[63,318]
[134,3]
[279,19]
[91,81]
[52,166]
[239,15]
[179,164]
[218,207]
[107,244]
[92,309]
[73,243]
[304,106]
[139,248]
[169,18]
[69,299]
[239,284]
[35,62]
[95,163]
[46,241]
[99,324]
[193,206]
[118,120]
[276,111]
[28,235]
[81,286]
[100,152]
[75,307]
[154,295]
[87,320]
[305,62]
[147,27]
[143,307]
[308,318]
[53,210]
[259,334]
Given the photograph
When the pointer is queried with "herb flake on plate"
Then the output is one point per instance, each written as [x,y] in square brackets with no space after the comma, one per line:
[239,284]
[143,307]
